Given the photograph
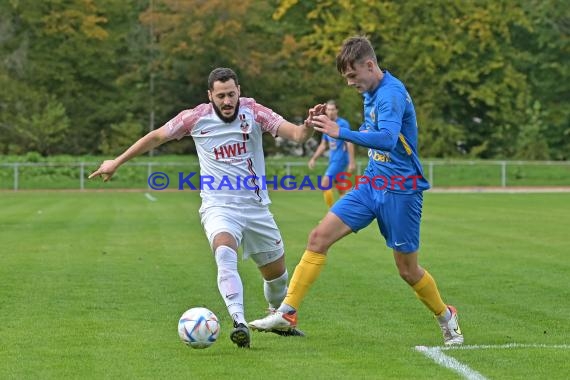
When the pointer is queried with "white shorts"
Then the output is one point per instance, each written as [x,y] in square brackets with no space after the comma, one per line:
[252,226]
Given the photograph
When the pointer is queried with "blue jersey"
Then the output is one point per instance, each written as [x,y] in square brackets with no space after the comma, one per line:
[395,197]
[338,150]
[390,107]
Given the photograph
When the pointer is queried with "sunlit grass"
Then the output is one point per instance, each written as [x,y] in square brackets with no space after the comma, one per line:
[92,286]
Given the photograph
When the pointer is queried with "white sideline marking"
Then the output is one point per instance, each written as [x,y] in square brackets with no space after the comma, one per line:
[437,355]
[455,365]
[150,197]
[504,346]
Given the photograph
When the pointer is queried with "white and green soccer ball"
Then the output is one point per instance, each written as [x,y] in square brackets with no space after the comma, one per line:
[199,327]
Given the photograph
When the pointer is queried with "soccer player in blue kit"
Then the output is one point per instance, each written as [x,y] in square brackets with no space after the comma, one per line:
[341,155]
[391,191]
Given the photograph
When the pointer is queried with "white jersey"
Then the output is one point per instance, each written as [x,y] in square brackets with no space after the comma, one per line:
[232,165]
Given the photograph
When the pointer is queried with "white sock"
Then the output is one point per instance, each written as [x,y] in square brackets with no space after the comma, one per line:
[275,290]
[284,308]
[445,316]
[229,282]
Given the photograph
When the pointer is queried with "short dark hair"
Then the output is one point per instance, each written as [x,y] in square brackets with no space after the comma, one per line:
[354,50]
[222,74]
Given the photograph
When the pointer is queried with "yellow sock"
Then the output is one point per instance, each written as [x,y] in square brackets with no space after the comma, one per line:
[426,291]
[329,197]
[306,272]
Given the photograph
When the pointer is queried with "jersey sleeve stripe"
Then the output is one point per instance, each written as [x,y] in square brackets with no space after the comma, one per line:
[405,144]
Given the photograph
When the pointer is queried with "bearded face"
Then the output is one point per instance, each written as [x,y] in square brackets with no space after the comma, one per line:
[225,99]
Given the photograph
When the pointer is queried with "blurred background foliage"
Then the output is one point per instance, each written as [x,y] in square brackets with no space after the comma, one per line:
[489,78]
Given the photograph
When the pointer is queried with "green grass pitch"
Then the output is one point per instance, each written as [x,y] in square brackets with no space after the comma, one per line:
[92,285]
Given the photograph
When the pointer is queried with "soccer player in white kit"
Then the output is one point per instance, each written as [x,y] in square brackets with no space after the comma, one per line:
[227,132]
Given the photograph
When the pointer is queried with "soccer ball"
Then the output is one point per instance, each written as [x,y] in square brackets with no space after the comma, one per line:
[198,327]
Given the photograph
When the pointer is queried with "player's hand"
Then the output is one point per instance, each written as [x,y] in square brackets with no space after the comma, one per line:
[351,167]
[106,170]
[323,124]
[311,164]
[319,109]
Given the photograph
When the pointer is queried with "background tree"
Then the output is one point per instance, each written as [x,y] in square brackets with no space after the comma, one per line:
[194,37]
[43,131]
[62,50]
[465,63]
[487,77]
[548,71]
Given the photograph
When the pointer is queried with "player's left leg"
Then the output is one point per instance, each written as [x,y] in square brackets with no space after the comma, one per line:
[275,278]
[306,272]
[263,243]
[420,280]
[426,291]
[349,214]
[399,222]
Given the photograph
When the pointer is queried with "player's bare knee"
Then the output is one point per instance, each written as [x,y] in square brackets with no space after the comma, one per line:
[410,274]
[407,276]
[224,238]
[318,240]
[274,269]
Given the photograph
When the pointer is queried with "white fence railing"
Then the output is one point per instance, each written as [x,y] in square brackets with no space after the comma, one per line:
[439,173]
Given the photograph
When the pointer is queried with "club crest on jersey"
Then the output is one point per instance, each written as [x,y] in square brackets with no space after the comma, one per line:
[244,124]
[373,116]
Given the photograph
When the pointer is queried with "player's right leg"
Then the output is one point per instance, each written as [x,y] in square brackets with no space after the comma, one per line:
[328,194]
[223,230]
[230,287]
[334,169]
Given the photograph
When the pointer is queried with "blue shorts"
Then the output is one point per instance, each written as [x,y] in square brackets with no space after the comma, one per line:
[398,215]
[336,168]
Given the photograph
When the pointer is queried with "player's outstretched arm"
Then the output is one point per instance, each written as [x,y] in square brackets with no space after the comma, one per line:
[302,133]
[385,138]
[150,141]
[297,133]
[320,150]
